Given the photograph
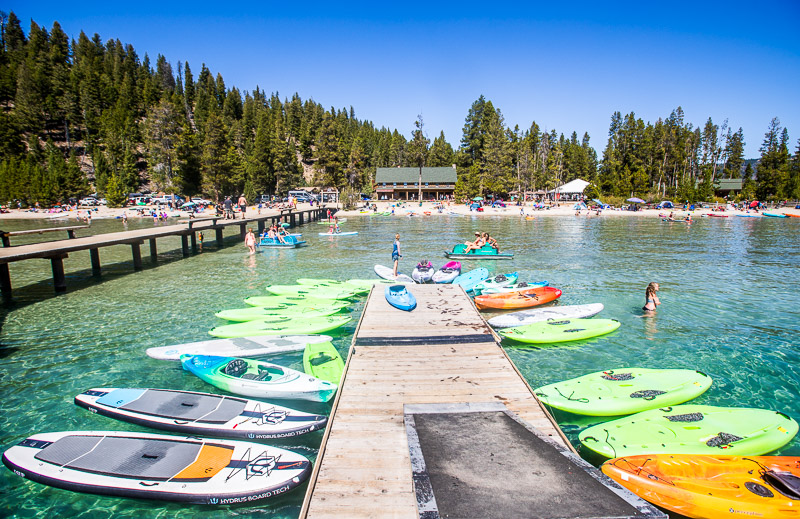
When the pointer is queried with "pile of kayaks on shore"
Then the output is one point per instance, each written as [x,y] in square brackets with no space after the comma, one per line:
[229,467]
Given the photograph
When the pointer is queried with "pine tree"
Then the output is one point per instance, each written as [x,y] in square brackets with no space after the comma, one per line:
[417,151]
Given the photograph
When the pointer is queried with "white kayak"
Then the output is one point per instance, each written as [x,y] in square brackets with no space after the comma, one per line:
[203,414]
[447,272]
[156,466]
[238,347]
[422,274]
[351,233]
[387,273]
[536,315]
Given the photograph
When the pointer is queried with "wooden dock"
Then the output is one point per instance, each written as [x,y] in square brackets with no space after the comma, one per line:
[57,251]
[442,352]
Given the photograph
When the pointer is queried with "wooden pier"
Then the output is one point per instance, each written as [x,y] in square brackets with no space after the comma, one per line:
[57,251]
[441,353]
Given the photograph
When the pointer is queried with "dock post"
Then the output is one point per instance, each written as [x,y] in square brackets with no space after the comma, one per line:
[137,256]
[243,229]
[94,254]
[291,218]
[185,244]
[194,242]
[59,280]
[153,250]
[6,241]
[260,227]
[5,282]
[71,234]
[219,237]
[302,214]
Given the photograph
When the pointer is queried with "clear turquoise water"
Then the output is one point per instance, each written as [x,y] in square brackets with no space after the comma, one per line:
[728,288]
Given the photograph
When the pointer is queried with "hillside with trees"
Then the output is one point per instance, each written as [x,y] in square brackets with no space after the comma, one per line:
[87,115]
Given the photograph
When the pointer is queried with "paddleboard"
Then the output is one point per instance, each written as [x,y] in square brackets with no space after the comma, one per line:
[192,413]
[332,283]
[524,317]
[399,297]
[156,466]
[624,391]
[238,347]
[257,379]
[252,313]
[322,360]
[278,302]
[290,327]
[469,279]
[692,429]
[310,291]
[564,330]
[749,215]
[331,221]
[368,283]
[387,273]
[352,233]
[775,215]
[712,486]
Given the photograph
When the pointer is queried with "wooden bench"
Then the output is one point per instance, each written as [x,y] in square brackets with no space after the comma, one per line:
[5,235]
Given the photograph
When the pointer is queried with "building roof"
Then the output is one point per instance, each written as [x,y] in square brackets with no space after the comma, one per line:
[729,184]
[411,175]
[574,186]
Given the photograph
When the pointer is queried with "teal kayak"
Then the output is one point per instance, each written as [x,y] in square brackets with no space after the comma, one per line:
[624,391]
[251,313]
[500,280]
[469,279]
[564,330]
[290,327]
[692,429]
[257,379]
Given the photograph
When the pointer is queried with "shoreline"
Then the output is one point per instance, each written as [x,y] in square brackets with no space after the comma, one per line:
[406,210]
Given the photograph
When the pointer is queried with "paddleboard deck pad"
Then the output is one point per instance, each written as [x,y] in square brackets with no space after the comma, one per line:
[238,347]
[154,466]
[201,414]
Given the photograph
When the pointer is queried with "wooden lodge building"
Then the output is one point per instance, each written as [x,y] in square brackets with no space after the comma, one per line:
[403,183]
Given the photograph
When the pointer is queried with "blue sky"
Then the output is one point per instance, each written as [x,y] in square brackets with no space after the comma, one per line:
[566,66]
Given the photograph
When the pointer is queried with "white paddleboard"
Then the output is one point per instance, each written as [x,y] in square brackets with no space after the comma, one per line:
[238,347]
[535,315]
[155,466]
[199,414]
[351,233]
[387,273]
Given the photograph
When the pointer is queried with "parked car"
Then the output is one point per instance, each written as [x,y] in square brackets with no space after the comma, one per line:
[164,200]
[201,201]
[88,201]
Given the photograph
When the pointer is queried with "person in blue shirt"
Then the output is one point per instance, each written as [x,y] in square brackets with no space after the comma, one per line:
[396,252]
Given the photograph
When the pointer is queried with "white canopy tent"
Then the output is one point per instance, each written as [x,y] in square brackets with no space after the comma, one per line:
[574,187]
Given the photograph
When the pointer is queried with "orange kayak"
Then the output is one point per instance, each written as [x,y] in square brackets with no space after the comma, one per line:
[713,486]
[521,299]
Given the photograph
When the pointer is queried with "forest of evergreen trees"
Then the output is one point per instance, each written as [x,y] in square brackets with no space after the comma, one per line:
[91,116]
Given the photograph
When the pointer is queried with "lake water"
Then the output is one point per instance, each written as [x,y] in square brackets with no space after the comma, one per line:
[728,292]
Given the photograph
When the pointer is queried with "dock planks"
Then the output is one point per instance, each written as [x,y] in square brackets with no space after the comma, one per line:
[398,358]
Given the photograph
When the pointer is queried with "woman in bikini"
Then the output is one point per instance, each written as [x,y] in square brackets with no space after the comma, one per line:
[651,298]
[474,245]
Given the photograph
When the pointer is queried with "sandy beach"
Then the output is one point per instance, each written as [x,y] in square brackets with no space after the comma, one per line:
[407,209]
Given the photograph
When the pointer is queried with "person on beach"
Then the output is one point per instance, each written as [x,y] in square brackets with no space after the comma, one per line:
[242,205]
[651,299]
[250,241]
[396,253]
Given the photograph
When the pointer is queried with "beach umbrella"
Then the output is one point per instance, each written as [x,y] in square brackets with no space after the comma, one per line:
[597,200]
[478,198]
[753,204]
[188,204]
[635,200]
[285,225]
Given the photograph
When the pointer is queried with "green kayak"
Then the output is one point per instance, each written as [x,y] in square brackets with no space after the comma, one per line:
[290,327]
[251,313]
[332,283]
[624,391]
[279,302]
[321,360]
[692,429]
[309,291]
[562,330]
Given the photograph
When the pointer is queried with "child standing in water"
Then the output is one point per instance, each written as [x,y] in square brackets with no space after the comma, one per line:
[651,298]
[396,252]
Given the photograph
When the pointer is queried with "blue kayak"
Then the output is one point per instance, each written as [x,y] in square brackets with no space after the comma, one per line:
[399,297]
[471,278]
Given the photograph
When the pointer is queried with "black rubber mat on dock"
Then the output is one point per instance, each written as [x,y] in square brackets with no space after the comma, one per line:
[424,340]
[480,460]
